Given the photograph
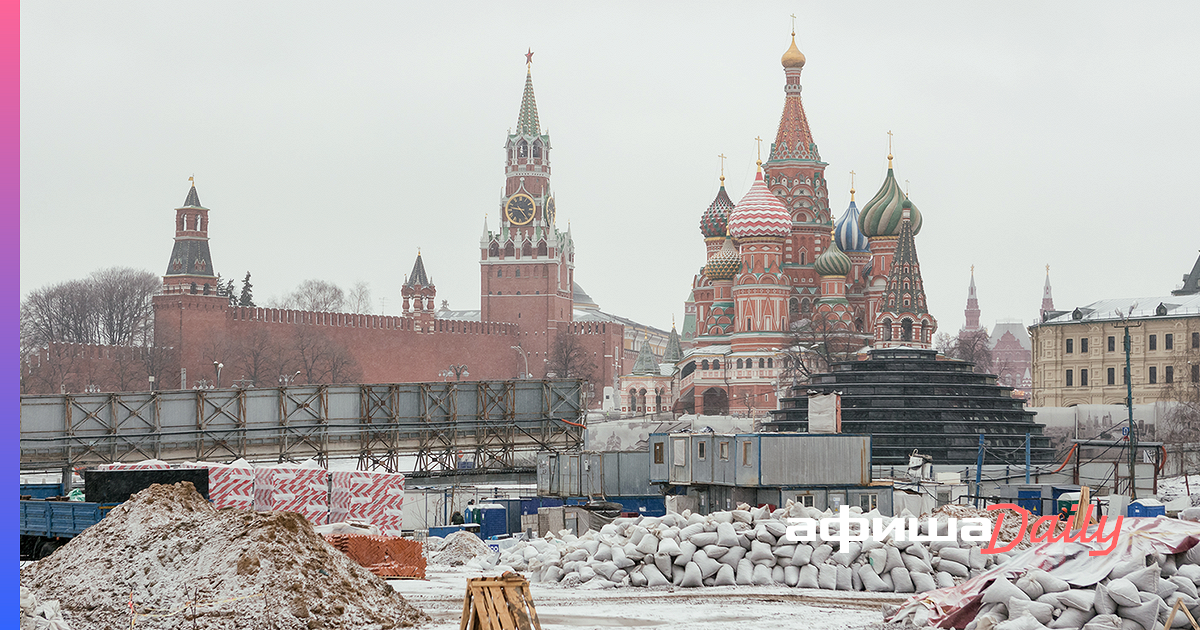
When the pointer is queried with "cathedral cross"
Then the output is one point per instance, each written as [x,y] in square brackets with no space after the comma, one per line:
[722,156]
[793,25]
[758,139]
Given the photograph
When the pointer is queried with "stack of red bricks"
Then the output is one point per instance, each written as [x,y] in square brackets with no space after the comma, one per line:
[385,556]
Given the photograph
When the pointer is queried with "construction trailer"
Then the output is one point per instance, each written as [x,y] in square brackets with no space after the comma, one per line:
[720,470]
[616,477]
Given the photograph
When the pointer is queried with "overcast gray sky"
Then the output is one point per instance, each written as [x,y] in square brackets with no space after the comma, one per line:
[331,140]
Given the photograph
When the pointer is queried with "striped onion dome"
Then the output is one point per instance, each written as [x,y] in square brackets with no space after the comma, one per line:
[714,220]
[832,262]
[881,215]
[847,233]
[760,214]
[724,263]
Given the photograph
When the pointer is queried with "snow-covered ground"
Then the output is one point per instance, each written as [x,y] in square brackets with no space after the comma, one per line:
[721,607]
[1170,488]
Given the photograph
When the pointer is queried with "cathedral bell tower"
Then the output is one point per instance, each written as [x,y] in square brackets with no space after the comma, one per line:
[527,265]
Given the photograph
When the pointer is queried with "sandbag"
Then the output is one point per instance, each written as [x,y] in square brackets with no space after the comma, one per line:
[716,552]
[1124,593]
[691,530]
[686,550]
[915,564]
[637,578]
[978,560]
[745,573]
[691,576]
[1031,586]
[669,546]
[1042,612]
[654,577]
[808,577]
[1145,614]
[733,556]
[1024,622]
[901,580]
[761,575]
[1103,603]
[893,560]
[802,555]
[917,549]
[607,569]
[1079,599]
[827,577]
[855,582]
[648,545]
[877,559]
[726,576]
[708,566]
[703,538]
[1121,569]
[741,516]
[726,535]
[784,552]
[845,579]
[944,580]
[1166,588]
[1050,584]
[821,554]
[961,556]
[663,562]
[778,574]
[1189,571]
[1167,566]
[1145,580]
[887,581]
[922,582]
[953,568]
[603,553]
[791,575]
[1072,618]
[1107,621]
[1002,591]
[847,556]
[760,553]
[1184,585]
[870,579]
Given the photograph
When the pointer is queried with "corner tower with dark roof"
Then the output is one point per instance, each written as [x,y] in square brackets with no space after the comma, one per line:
[418,292]
[190,268]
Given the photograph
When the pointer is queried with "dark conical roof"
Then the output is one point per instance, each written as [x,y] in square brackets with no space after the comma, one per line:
[527,119]
[646,363]
[193,199]
[418,278]
[674,353]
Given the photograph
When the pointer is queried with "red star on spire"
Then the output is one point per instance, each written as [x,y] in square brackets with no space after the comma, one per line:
[529,56]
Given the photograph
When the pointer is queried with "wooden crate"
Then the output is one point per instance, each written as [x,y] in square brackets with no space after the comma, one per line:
[499,603]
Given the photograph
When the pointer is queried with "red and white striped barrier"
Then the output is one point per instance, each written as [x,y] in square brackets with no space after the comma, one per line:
[229,485]
[375,497]
[292,488]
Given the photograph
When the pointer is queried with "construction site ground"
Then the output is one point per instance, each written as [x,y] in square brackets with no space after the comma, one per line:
[720,607]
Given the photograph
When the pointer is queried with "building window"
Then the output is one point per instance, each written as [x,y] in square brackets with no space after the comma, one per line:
[1112,344]
[1070,346]
[1196,340]
[704,364]
[746,453]
[518,274]
[1169,374]
[762,363]
[1112,376]
[1083,382]
[723,451]
[868,502]
[770,362]
[1125,376]
[739,364]
[808,500]
[716,364]
[658,452]
[700,454]
[1153,372]
[499,272]
[1196,373]
[1070,378]
[1168,341]
[1154,342]
[1083,345]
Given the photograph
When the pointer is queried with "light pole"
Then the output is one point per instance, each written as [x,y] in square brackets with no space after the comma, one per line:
[286,380]
[1126,324]
[151,382]
[523,356]
[217,365]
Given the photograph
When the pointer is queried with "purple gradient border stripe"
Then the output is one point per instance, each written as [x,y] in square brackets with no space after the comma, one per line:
[10,234]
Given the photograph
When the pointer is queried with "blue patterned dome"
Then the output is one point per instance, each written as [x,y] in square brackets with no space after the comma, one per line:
[847,233]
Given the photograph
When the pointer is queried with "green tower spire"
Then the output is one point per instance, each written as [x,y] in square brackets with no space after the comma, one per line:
[527,120]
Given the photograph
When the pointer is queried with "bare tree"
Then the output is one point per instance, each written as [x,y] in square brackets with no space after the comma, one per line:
[123,298]
[321,359]
[971,346]
[259,358]
[358,300]
[816,344]
[111,306]
[569,358]
[1180,423]
[316,295]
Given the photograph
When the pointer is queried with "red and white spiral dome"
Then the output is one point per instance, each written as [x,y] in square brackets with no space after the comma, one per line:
[759,214]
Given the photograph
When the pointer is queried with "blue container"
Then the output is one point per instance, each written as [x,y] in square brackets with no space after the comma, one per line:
[1137,509]
[41,490]
[513,509]
[492,519]
[530,505]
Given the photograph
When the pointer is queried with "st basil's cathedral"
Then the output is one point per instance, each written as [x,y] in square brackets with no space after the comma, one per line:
[779,262]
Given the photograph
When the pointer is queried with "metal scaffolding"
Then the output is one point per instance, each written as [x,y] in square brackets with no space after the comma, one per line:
[490,423]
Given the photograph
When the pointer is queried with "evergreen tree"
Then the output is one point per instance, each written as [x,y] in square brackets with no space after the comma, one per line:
[229,291]
[247,297]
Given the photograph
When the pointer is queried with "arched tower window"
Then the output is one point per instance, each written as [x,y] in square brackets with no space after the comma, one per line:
[527,249]
[632,399]
[494,250]
[704,364]
[499,272]
[716,364]
[541,250]
[183,223]
[739,364]
[762,363]
[509,249]
[523,149]
[199,223]
[537,149]
[906,327]
[887,330]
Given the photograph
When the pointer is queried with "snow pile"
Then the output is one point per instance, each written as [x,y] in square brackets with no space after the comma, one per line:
[745,547]
[167,547]
[457,549]
[40,615]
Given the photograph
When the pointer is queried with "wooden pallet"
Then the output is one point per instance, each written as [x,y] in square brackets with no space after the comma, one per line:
[499,603]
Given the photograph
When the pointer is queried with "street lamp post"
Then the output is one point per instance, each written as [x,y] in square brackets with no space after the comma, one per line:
[457,371]
[1126,324]
[286,380]
[217,365]
[518,348]
[151,382]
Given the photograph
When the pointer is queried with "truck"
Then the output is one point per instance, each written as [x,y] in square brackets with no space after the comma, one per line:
[49,520]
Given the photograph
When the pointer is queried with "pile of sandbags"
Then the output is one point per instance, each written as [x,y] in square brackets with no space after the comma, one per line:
[40,614]
[744,547]
[1135,595]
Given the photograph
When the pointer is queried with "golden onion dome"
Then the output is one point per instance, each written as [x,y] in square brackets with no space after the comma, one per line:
[793,58]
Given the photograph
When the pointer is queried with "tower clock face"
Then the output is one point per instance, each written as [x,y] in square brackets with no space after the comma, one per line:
[550,211]
[519,209]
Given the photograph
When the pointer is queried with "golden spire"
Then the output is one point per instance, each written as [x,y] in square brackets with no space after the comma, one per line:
[758,140]
[972,271]
[889,149]
[192,180]
[793,58]
[1047,270]
[722,156]
[851,186]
